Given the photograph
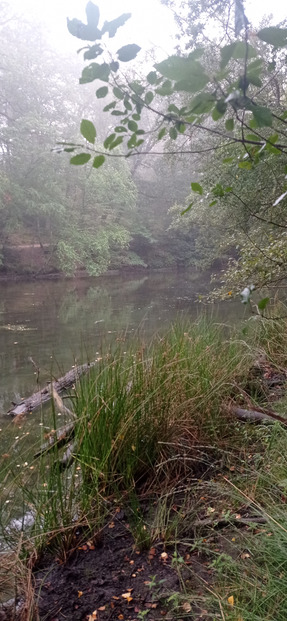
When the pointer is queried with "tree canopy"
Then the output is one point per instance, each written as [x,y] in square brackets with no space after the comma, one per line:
[221,100]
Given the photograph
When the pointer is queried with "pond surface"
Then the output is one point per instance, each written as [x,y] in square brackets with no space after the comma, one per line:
[58,323]
[61,323]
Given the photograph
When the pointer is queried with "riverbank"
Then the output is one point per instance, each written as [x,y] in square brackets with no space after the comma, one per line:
[171,506]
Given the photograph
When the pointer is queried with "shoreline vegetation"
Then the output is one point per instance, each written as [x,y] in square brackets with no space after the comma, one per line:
[162,503]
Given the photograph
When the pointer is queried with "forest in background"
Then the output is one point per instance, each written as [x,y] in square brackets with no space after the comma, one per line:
[81,219]
[195,171]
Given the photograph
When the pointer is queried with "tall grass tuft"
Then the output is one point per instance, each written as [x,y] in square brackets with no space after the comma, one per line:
[145,414]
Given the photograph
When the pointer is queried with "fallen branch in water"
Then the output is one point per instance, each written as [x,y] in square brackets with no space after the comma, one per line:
[44,395]
[61,436]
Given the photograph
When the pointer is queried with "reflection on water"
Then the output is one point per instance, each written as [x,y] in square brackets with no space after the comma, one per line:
[59,322]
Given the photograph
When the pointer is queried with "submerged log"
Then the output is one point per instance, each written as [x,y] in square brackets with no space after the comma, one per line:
[44,395]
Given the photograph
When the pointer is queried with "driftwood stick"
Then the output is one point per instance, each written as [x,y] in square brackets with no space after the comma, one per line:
[44,395]
[60,437]
[220,522]
[257,415]
[68,456]
[59,402]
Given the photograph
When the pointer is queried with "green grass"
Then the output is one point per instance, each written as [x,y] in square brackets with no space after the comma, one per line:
[153,426]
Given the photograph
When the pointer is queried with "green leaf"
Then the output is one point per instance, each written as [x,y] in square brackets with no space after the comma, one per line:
[173,108]
[109,140]
[116,143]
[202,103]
[252,137]
[269,144]
[271,66]
[165,89]
[93,52]
[180,127]
[173,133]
[102,92]
[245,165]
[94,71]
[98,161]
[136,117]
[127,104]
[229,125]
[236,50]
[88,130]
[219,110]
[252,78]
[263,303]
[228,160]
[80,159]
[120,129]
[132,141]
[114,66]
[196,187]
[218,190]
[188,73]
[262,116]
[187,209]
[93,14]
[110,106]
[112,27]
[82,31]
[180,68]
[152,77]
[161,133]
[133,126]
[118,93]
[274,36]
[198,53]
[128,52]
[148,98]
[137,87]
[118,113]
[255,65]
[212,203]
[193,84]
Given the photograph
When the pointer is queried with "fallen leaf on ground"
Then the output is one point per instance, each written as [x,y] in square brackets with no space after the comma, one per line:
[127,596]
[93,616]
[186,607]
[80,593]
[231,600]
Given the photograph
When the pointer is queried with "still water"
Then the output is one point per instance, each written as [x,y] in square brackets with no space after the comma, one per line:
[60,323]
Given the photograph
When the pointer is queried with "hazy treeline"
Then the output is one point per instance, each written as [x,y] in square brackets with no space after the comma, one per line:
[113,217]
